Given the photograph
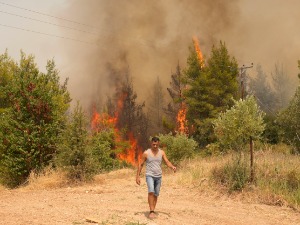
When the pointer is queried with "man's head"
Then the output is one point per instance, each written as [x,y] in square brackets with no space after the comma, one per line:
[154,142]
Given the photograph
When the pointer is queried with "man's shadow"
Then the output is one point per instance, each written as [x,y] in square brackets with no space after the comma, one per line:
[157,213]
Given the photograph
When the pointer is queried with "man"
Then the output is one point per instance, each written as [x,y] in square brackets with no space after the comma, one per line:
[153,158]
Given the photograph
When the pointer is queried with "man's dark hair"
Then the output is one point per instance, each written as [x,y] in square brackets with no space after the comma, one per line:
[155,139]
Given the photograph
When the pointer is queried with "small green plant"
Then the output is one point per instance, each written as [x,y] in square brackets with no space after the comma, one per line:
[102,145]
[234,174]
[178,147]
[278,172]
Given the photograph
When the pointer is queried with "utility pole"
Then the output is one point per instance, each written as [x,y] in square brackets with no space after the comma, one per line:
[243,70]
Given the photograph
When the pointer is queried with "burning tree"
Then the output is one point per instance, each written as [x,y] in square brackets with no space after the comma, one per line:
[176,109]
[127,120]
[210,89]
[198,52]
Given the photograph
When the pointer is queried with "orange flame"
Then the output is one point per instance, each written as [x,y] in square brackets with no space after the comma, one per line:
[103,121]
[132,154]
[198,51]
[182,127]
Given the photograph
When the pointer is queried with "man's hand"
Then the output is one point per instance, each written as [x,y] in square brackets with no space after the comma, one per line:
[138,180]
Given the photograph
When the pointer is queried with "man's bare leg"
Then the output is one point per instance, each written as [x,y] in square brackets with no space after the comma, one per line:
[155,201]
[152,199]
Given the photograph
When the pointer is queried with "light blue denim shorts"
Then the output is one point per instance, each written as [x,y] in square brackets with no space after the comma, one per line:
[153,184]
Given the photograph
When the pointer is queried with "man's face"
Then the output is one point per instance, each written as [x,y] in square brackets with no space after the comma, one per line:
[155,144]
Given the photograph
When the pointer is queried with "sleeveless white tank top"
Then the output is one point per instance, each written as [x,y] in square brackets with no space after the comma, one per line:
[153,163]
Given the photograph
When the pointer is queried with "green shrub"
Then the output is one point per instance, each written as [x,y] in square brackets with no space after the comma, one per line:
[102,145]
[236,126]
[234,174]
[278,171]
[178,147]
[212,149]
[289,122]
[271,132]
[293,180]
[32,118]
[74,154]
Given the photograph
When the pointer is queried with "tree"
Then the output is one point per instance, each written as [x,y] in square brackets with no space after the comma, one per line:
[156,107]
[7,68]
[289,120]
[175,91]
[283,87]
[210,90]
[74,154]
[261,88]
[241,124]
[32,123]
[222,69]
[130,116]
[234,127]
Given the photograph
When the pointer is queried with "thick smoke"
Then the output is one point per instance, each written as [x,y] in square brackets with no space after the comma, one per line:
[149,38]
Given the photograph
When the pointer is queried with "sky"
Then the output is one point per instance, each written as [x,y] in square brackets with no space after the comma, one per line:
[91,39]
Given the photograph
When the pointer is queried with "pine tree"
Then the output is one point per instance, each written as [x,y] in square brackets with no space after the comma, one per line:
[283,87]
[131,118]
[210,89]
[128,110]
[156,108]
[176,89]
[261,89]
[289,120]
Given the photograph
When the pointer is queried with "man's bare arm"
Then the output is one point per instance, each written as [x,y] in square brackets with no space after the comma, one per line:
[169,164]
[140,166]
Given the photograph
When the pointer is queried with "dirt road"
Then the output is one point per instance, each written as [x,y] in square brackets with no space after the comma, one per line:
[116,199]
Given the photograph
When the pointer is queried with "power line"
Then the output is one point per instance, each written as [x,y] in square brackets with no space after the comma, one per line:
[144,42]
[29,18]
[141,42]
[44,14]
[37,32]
[267,107]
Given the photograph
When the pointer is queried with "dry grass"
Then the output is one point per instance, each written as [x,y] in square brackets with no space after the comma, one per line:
[195,174]
[270,164]
[117,174]
[48,179]
[52,179]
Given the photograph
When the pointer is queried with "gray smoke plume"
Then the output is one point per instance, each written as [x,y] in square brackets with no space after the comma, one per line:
[149,38]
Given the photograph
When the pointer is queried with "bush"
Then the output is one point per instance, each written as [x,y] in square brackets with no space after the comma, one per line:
[102,144]
[234,175]
[74,154]
[278,171]
[289,121]
[212,149]
[178,147]
[293,180]
[271,132]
